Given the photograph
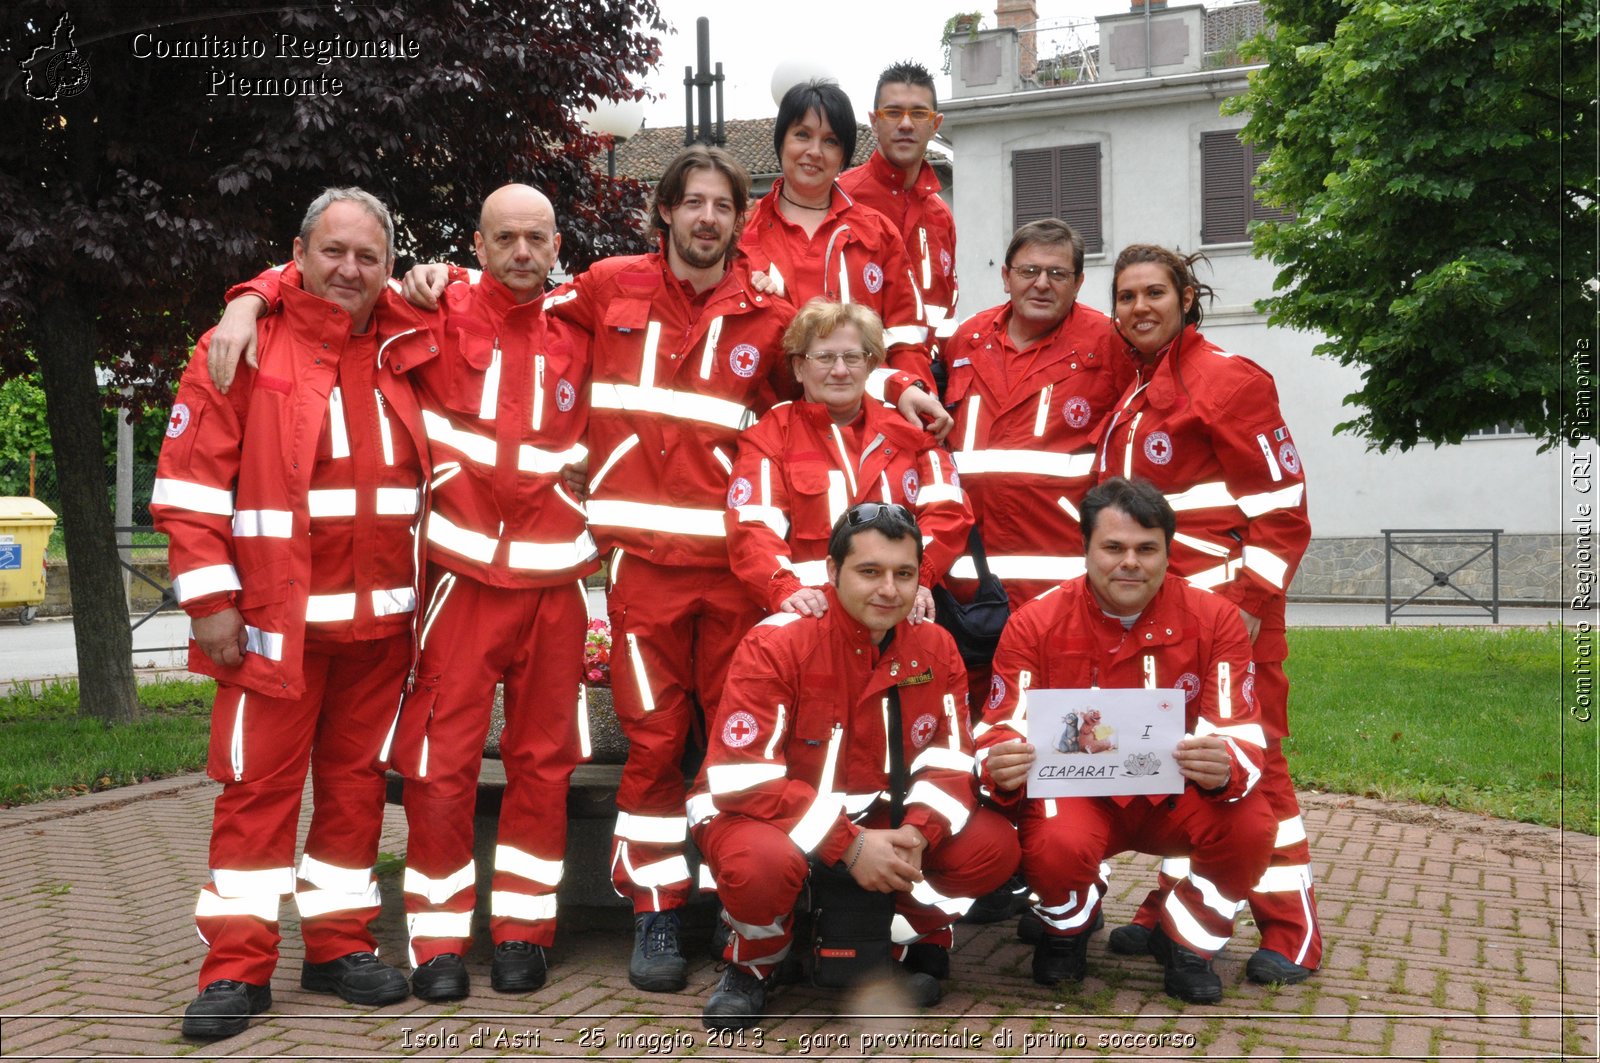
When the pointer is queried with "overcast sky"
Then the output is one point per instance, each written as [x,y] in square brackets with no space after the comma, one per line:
[849,40]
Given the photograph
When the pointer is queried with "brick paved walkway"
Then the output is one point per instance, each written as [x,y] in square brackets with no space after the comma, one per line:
[1449,937]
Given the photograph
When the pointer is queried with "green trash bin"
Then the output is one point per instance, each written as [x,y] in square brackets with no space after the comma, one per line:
[25,527]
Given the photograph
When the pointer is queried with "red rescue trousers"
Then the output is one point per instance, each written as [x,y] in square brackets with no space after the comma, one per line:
[673,632]
[260,748]
[760,872]
[1064,841]
[474,636]
[1284,902]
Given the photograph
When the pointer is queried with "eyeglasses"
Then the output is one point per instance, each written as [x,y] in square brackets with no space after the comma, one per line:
[828,359]
[867,512]
[1031,273]
[916,114]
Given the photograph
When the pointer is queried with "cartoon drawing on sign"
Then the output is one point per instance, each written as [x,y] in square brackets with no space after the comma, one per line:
[1142,764]
[1068,742]
[1094,736]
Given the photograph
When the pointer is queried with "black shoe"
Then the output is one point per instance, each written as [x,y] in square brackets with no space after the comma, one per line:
[223,1009]
[1272,968]
[1130,939]
[1188,976]
[737,1002]
[1000,904]
[1061,959]
[922,990]
[657,965]
[721,932]
[442,978]
[518,967]
[1030,928]
[360,978]
[925,958]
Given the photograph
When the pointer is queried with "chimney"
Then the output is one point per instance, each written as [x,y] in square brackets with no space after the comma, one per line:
[1155,5]
[1021,15]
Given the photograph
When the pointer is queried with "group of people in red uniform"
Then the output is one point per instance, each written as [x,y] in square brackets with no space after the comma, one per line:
[383,501]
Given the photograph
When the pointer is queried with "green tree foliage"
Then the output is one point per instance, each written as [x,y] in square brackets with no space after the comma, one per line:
[1439,156]
[135,185]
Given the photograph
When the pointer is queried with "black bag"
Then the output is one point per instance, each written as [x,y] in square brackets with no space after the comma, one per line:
[851,938]
[975,625]
[851,943]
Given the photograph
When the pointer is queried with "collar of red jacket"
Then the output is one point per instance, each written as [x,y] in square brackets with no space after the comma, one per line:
[1164,391]
[494,300]
[887,173]
[767,206]
[1159,624]
[314,319]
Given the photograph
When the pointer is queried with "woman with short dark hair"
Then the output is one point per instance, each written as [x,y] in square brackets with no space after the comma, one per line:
[811,239]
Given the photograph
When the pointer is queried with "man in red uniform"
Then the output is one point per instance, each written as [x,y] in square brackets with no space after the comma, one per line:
[686,351]
[897,182]
[844,738]
[292,504]
[1128,623]
[505,408]
[1029,381]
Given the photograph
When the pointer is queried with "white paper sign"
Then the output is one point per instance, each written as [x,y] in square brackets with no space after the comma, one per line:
[1101,743]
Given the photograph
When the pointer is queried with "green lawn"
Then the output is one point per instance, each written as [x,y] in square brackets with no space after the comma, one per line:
[1470,718]
[51,751]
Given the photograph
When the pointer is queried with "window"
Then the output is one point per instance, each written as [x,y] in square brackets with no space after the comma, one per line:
[1228,202]
[1059,183]
[1503,430]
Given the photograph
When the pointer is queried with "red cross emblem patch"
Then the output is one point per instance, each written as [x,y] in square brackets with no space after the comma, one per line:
[178,421]
[923,729]
[566,395]
[872,273]
[739,730]
[1289,457]
[910,484]
[739,492]
[1189,683]
[1077,411]
[997,692]
[743,360]
[1158,447]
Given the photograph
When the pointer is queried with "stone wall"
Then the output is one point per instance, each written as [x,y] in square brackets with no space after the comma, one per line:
[1531,568]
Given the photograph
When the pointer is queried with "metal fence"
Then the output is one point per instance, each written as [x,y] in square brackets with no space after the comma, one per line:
[39,480]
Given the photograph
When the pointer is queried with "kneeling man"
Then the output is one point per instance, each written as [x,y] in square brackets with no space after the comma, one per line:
[844,739]
[1127,623]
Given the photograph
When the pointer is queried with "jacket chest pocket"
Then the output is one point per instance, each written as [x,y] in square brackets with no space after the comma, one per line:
[474,380]
[814,489]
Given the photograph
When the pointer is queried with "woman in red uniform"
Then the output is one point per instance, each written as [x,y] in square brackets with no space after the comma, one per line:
[812,239]
[1204,426]
[806,462]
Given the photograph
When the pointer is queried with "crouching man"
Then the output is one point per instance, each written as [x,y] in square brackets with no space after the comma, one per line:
[844,740]
[1127,623]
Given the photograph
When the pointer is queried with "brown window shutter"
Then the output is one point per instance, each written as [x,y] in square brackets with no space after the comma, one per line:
[1224,204]
[1080,192]
[1033,186]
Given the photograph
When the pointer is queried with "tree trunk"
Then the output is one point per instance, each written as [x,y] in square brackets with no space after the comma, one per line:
[65,335]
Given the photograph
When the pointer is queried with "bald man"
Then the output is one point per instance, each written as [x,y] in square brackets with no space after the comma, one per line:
[505,408]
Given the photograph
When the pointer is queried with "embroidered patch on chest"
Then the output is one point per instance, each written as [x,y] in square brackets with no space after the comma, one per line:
[566,395]
[910,485]
[178,423]
[1077,411]
[1158,447]
[922,729]
[872,275]
[739,492]
[744,360]
[1289,457]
